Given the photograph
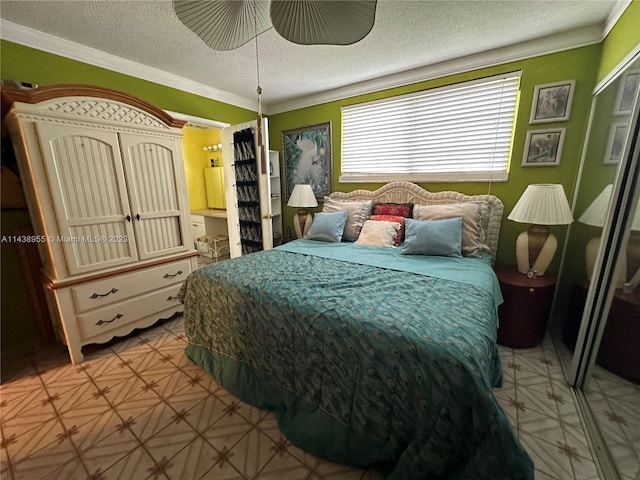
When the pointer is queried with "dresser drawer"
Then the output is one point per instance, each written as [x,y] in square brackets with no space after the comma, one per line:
[100,293]
[124,313]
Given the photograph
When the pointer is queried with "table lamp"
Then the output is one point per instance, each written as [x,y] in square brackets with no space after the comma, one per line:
[303,198]
[629,260]
[540,205]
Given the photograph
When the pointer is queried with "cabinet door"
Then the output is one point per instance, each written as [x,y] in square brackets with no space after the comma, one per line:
[157,193]
[88,190]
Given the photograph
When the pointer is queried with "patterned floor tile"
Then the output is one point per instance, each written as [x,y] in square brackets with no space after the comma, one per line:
[193,461]
[79,400]
[167,442]
[92,430]
[252,452]
[147,423]
[71,470]
[540,402]
[223,469]
[547,457]
[137,464]
[22,444]
[284,465]
[156,415]
[205,413]
[39,464]
[123,389]
[103,454]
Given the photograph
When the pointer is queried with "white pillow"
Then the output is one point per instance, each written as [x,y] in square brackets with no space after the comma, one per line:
[358,212]
[378,233]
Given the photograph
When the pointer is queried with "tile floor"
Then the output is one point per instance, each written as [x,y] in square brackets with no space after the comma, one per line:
[138,409]
[615,404]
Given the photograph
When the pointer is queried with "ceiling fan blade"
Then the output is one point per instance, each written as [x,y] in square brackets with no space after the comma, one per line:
[224,24]
[323,22]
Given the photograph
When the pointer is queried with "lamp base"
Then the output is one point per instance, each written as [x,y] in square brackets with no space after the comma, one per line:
[302,223]
[535,249]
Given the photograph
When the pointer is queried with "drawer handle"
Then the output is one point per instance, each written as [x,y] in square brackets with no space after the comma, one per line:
[168,275]
[171,297]
[96,295]
[100,322]
[532,290]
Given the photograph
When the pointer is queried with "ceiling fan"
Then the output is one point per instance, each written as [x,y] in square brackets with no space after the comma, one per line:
[228,24]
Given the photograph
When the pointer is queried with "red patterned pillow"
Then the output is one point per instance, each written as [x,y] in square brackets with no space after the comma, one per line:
[392,218]
[401,209]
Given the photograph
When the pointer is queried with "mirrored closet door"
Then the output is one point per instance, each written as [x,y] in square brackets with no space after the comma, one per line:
[596,315]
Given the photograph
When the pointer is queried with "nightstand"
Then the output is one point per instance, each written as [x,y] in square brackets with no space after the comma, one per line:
[526,308]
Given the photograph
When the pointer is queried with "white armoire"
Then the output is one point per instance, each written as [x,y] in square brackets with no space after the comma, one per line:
[104,179]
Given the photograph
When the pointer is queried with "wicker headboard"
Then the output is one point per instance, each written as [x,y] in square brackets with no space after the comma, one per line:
[407,192]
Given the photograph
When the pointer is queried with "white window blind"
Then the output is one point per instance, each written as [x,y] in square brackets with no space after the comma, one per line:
[461,132]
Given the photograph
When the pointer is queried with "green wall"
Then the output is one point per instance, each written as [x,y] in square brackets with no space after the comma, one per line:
[27,64]
[578,64]
[622,39]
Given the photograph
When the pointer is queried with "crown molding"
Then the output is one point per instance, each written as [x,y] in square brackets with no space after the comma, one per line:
[197,121]
[534,48]
[552,44]
[29,37]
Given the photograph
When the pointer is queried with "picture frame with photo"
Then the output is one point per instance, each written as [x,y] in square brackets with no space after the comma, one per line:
[552,102]
[306,155]
[615,143]
[629,84]
[543,147]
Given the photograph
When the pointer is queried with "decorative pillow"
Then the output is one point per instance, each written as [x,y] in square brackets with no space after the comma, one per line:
[433,237]
[473,241]
[401,209]
[378,233]
[327,227]
[358,212]
[391,218]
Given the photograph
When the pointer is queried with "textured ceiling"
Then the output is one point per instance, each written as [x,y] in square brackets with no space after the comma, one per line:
[406,35]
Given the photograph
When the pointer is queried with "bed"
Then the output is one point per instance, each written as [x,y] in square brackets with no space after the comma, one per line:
[367,356]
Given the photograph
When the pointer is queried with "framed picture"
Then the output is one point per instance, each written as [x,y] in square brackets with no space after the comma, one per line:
[552,102]
[615,143]
[543,147]
[627,89]
[306,155]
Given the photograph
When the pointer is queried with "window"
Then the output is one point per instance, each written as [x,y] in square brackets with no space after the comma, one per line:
[460,132]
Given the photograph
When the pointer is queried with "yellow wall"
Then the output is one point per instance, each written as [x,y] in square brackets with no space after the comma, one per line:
[196,159]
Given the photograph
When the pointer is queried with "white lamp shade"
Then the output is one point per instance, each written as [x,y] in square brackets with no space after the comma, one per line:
[302,197]
[542,204]
[596,213]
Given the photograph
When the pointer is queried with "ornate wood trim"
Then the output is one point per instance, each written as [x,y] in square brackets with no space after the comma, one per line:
[41,94]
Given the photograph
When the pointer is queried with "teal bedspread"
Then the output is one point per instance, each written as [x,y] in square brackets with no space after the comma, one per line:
[362,364]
